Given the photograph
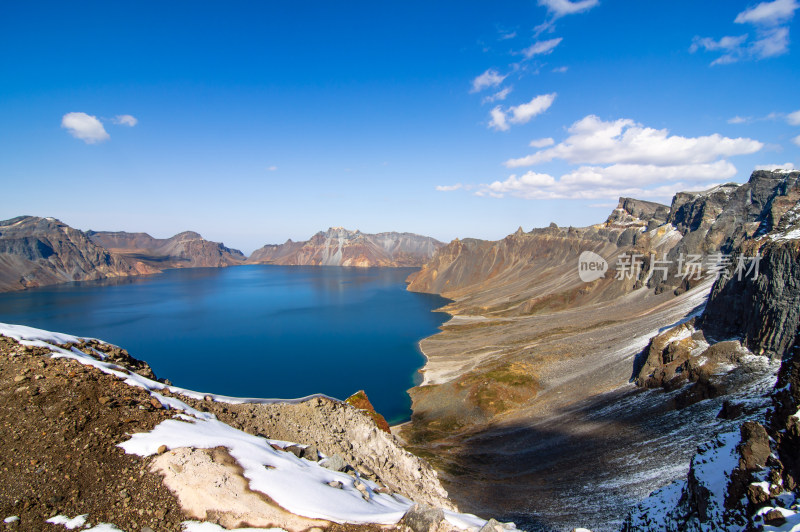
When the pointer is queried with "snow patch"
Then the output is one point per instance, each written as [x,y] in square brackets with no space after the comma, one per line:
[712,467]
[197,526]
[70,524]
[790,235]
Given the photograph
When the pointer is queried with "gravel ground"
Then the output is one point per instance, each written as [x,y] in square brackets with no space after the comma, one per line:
[60,423]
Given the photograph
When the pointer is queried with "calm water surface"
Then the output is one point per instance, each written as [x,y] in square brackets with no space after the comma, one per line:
[254,331]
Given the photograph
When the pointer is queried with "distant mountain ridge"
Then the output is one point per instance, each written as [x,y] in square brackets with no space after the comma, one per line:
[184,250]
[340,247]
[38,251]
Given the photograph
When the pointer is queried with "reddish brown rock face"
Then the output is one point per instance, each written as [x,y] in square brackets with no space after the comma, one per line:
[362,402]
[340,247]
[184,250]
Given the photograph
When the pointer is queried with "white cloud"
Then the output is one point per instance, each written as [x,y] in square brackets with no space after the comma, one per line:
[125,120]
[273,168]
[561,69]
[796,140]
[771,43]
[787,167]
[490,78]
[505,36]
[523,113]
[622,158]
[768,13]
[792,119]
[559,8]
[520,114]
[594,182]
[541,47]
[728,43]
[542,143]
[623,141]
[498,96]
[738,120]
[85,127]
[770,20]
[448,188]
[498,120]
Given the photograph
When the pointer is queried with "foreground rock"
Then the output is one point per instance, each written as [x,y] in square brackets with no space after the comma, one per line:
[62,456]
[339,247]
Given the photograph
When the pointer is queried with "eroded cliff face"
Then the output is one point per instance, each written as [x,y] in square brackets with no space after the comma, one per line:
[184,250]
[43,251]
[747,478]
[339,247]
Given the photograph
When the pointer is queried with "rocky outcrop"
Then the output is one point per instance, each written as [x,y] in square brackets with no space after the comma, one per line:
[43,251]
[184,250]
[762,311]
[633,212]
[750,477]
[755,302]
[361,401]
[339,247]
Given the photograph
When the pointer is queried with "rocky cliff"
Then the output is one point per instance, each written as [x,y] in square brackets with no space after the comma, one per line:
[43,251]
[534,367]
[184,250]
[339,247]
[745,479]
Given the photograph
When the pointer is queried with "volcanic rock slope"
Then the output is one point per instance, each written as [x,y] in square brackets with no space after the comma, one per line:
[339,247]
[184,250]
[42,251]
[529,395]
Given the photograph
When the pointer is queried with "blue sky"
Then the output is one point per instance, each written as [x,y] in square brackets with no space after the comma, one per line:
[256,122]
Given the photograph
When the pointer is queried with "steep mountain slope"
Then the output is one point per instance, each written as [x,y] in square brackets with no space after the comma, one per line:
[526,400]
[43,251]
[184,250]
[339,247]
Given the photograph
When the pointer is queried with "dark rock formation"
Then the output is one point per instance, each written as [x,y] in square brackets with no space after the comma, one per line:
[339,247]
[756,471]
[764,310]
[43,251]
[184,250]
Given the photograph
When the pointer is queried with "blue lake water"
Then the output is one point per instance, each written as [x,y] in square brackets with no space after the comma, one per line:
[254,331]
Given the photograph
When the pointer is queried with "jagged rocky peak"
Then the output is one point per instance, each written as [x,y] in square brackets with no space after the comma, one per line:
[633,212]
[338,232]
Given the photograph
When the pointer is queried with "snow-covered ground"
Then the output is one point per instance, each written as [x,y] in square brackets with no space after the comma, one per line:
[298,485]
